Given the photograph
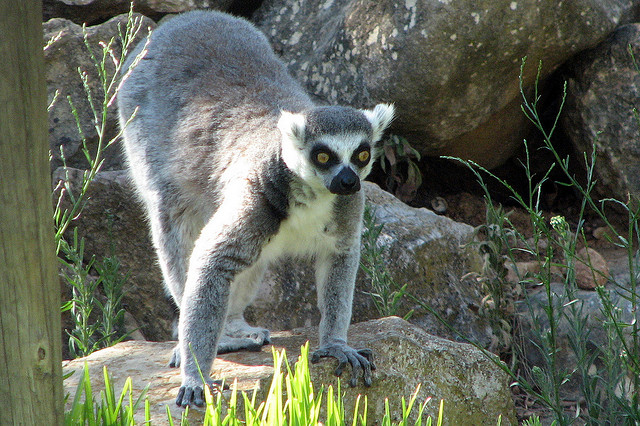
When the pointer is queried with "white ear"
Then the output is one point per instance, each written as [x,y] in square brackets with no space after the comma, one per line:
[380,117]
[291,126]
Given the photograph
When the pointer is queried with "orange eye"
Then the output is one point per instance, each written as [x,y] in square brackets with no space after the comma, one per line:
[322,157]
[363,156]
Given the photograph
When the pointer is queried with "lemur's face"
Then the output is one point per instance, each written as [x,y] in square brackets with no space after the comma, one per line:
[341,161]
[333,148]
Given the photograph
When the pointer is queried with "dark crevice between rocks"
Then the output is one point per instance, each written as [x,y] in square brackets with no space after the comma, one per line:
[92,14]
[449,179]
[96,13]
[244,8]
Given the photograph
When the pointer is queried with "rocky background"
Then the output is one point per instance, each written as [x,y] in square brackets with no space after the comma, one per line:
[452,69]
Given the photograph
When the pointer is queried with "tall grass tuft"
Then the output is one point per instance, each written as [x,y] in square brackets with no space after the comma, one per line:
[293,400]
[108,410]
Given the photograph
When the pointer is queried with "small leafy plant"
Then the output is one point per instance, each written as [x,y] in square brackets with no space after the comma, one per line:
[109,410]
[92,330]
[400,165]
[494,239]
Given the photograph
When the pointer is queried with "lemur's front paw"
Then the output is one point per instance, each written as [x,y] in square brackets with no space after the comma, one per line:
[361,361]
[189,395]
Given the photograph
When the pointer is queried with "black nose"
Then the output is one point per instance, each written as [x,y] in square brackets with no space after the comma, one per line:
[345,182]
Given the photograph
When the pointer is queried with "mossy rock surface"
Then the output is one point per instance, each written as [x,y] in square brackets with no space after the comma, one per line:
[474,389]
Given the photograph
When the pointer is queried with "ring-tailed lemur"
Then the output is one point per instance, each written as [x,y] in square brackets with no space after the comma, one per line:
[236,166]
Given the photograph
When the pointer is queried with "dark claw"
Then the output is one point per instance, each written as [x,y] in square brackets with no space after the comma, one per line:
[198,397]
[358,362]
[361,361]
[190,396]
[369,366]
[367,353]
[367,374]
[179,397]
[340,369]
[195,395]
[315,357]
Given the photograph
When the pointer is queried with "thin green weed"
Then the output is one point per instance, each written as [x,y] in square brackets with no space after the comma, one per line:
[611,395]
[386,293]
[89,332]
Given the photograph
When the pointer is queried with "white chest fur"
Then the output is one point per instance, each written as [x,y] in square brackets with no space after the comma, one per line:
[307,231]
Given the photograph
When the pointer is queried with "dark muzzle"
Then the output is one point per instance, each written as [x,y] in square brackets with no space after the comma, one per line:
[345,183]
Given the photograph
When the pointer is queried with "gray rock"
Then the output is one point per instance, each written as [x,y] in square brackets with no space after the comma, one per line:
[603,88]
[474,389]
[451,68]
[63,58]
[96,11]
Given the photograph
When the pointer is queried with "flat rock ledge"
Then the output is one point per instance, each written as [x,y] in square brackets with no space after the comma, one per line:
[475,390]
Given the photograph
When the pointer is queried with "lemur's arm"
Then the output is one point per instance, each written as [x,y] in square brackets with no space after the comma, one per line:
[228,244]
[335,281]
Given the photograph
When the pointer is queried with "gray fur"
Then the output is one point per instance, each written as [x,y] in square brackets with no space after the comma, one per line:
[220,151]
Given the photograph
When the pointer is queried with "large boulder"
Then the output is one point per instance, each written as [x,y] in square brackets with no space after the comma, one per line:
[474,388]
[451,68]
[603,95]
[65,55]
[422,249]
[96,11]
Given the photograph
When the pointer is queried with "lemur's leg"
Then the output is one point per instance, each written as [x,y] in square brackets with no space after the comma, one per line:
[173,241]
[238,334]
[173,237]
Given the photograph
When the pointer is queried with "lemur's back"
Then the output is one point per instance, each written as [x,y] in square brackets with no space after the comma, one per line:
[211,53]
[209,82]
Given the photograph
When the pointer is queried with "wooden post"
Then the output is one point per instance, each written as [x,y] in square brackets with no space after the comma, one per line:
[30,355]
